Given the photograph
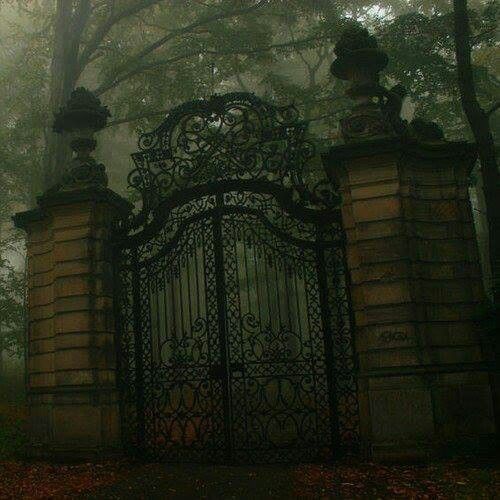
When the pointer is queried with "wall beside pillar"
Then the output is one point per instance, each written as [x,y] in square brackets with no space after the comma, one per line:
[424,380]
[71,362]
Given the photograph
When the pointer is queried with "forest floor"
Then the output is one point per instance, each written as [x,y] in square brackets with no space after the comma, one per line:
[472,478]
[451,479]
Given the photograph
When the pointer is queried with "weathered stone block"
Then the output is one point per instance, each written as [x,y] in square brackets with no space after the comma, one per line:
[417,174]
[73,268]
[72,216]
[41,328]
[40,247]
[447,312]
[85,377]
[401,415]
[81,321]
[397,335]
[40,425]
[72,250]
[461,333]
[362,192]
[455,354]
[39,236]
[84,340]
[438,230]
[41,363]
[79,358]
[82,303]
[382,250]
[73,233]
[384,271]
[40,346]
[66,286]
[41,295]
[394,292]
[378,229]
[390,314]
[440,250]
[38,380]
[430,192]
[41,312]
[75,425]
[463,410]
[376,209]
[403,356]
[447,291]
[383,168]
[347,216]
[41,263]
[41,279]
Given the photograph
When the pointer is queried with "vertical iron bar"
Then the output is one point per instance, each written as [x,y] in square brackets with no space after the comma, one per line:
[327,334]
[119,289]
[221,312]
[138,351]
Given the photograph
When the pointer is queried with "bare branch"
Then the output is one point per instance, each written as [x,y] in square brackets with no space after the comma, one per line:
[104,28]
[135,117]
[477,38]
[164,112]
[186,29]
[164,62]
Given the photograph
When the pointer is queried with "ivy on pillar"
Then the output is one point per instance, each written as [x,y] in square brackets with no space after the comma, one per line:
[71,362]
[424,380]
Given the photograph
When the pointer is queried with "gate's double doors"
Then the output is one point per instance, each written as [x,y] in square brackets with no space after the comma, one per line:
[235,334]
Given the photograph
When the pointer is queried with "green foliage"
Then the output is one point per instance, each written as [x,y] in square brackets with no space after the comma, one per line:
[24,59]
[145,63]
[11,309]
[12,290]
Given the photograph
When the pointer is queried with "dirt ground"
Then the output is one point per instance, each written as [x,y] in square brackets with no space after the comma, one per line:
[451,479]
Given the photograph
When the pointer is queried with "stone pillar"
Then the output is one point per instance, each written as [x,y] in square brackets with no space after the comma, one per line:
[416,285]
[71,361]
[424,368]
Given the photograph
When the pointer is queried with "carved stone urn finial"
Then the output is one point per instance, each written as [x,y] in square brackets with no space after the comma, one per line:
[81,117]
[359,61]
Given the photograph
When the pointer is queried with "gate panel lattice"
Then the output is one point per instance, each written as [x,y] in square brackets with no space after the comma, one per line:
[233,312]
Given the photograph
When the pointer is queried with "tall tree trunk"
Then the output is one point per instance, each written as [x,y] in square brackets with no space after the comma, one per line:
[1,357]
[480,126]
[479,123]
[71,19]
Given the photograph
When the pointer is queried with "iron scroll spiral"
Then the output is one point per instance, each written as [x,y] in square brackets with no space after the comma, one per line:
[236,136]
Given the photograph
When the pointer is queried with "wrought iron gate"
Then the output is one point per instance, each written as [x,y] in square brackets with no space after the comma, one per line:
[232,312]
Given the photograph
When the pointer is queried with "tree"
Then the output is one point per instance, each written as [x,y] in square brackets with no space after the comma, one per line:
[11,309]
[129,46]
[145,56]
[478,119]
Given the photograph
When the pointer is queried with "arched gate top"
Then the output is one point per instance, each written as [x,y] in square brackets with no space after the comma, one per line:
[231,137]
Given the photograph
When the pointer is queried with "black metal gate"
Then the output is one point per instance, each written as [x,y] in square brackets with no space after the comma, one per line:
[232,310]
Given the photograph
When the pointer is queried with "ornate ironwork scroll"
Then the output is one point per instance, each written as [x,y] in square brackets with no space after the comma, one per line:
[235,136]
[233,309]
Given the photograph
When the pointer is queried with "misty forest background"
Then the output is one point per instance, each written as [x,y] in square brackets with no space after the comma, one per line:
[143,57]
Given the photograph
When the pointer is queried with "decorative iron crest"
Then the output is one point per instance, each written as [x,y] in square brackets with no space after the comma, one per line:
[235,136]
